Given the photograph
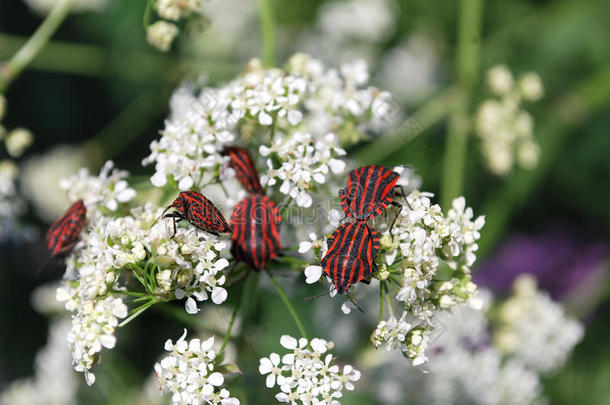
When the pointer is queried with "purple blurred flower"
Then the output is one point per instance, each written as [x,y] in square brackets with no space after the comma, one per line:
[559,260]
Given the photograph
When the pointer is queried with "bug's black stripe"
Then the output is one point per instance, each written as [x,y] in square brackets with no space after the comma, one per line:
[347,252]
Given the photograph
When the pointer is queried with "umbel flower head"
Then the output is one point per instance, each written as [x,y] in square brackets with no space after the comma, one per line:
[296,118]
[189,373]
[308,373]
[505,129]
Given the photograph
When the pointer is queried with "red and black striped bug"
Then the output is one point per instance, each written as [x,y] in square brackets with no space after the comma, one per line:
[369,191]
[64,233]
[245,170]
[256,231]
[193,207]
[352,249]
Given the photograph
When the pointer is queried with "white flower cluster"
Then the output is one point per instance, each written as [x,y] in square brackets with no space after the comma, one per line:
[350,27]
[10,205]
[422,239]
[505,129]
[162,33]
[54,382]
[534,329]
[398,334]
[308,111]
[93,328]
[468,362]
[188,265]
[304,162]
[188,373]
[308,374]
[41,174]
[341,98]
[106,190]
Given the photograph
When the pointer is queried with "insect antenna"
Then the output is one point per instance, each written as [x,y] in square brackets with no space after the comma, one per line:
[354,302]
[320,295]
[161,216]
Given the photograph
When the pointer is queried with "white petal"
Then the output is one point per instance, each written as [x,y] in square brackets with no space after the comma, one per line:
[294,117]
[304,199]
[216,379]
[270,381]
[288,342]
[219,295]
[185,183]
[265,366]
[264,118]
[303,247]
[159,179]
[312,274]
[345,308]
[337,166]
[191,306]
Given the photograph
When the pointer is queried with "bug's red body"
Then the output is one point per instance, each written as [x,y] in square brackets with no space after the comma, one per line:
[245,170]
[199,211]
[64,233]
[256,231]
[352,248]
[369,191]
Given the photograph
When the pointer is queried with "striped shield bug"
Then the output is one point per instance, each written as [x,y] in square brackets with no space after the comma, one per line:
[352,249]
[64,233]
[256,231]
[369,191]
[193,207]
[245,170]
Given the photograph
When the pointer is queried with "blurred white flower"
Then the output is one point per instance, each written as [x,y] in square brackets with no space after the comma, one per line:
[41,175]
[534,329]
[53,382]
[17,141]
[44,6]
[161,34]
[506,131]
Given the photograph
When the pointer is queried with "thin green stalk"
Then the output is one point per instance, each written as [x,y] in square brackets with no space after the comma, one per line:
[37,41]
[388,299]
[288,304]
[426,116]
[139,311]
[230,327]
[381,286]
[467,70]
[267,32]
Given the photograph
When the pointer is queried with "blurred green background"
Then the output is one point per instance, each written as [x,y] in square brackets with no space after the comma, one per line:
[99,83]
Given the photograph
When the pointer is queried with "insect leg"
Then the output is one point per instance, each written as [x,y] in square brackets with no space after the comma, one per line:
[394,203]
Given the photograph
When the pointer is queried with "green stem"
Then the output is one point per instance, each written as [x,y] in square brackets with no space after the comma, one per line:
[267,32]
[426,116]
[288,304]
[138,311]
[381,286]
[37,41]
[230,327]
[388,299]
[467,70]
